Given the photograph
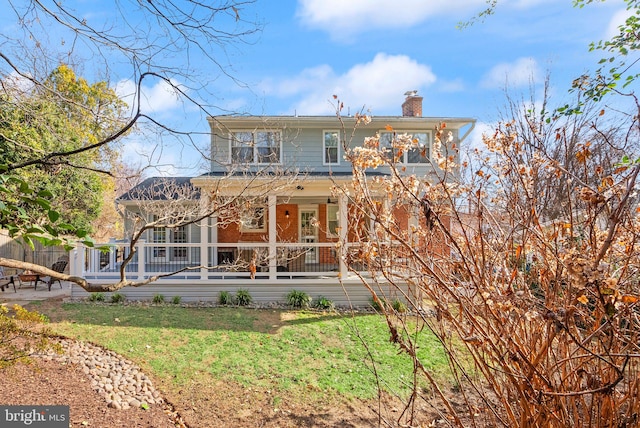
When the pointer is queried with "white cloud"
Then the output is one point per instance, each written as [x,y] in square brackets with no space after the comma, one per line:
[301,83]
[16,83]
[519,73]
[619,18]
[344,18]
[237,104]
[379,85]
[161,153]
[161,158]
[474,141]
[148,155]
[159,98]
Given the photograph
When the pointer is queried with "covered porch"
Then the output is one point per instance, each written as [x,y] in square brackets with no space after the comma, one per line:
[268,285]
[299,238]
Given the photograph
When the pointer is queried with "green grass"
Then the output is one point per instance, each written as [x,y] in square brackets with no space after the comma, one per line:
[296,352]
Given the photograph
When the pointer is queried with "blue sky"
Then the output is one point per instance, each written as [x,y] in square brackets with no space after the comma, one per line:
[369,52]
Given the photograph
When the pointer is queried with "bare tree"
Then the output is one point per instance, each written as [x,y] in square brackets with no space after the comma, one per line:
[557,137]
[152,41]
[183,46]
[170,203]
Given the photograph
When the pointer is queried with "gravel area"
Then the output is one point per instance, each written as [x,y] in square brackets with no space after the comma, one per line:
[116,379]
[46,382]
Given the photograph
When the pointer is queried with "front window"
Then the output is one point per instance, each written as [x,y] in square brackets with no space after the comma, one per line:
[259,147]
[419,153]
[331,147]
[165,235]
[159,236]
[180,237]
[253,219]
[332,220]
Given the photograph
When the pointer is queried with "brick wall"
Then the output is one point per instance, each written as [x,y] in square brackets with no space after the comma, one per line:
[287,229]
[412,106]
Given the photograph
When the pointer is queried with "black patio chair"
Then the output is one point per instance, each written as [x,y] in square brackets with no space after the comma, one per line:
[5,280]
[59,267]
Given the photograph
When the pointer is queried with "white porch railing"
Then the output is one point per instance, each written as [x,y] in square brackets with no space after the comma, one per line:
[221,261]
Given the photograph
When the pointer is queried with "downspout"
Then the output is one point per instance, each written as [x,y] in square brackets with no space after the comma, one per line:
[466,134]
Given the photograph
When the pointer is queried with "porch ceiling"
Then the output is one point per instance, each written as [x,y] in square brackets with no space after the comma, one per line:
[311,185]
[306,200]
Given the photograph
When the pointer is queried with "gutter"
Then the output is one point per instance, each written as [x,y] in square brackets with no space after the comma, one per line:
[466,134]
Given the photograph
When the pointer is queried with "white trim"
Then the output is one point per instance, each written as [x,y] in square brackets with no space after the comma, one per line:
[344,234]
[316,235]
[272,201]
[324,147]
[204,247]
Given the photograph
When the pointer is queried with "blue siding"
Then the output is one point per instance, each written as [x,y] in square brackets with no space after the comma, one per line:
[302,145]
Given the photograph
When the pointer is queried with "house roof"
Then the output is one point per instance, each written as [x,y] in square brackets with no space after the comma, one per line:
[404,122]
[319,174]
[162,189]
[172,188]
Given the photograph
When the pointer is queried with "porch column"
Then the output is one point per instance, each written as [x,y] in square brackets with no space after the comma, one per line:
[77,260]
[204,248]
[204,241]
[273,250]
[113,252]
[344,233]
[141,250]
[413,221]
[213,223]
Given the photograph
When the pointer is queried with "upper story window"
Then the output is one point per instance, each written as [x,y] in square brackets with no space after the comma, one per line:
[331,149]
[419,154]
[257,147]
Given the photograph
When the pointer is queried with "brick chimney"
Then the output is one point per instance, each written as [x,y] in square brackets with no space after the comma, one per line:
[412,105]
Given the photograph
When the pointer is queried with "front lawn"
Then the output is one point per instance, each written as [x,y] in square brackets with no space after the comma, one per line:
[306,354]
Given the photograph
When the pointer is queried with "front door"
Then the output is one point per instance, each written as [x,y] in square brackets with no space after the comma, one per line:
[309,233]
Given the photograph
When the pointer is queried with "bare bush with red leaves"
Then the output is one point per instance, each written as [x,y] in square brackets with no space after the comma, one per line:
[538,307]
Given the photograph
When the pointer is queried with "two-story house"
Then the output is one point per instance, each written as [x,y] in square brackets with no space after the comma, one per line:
[285,236]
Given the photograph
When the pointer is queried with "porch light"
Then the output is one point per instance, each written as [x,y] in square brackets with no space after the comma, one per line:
[286,214]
